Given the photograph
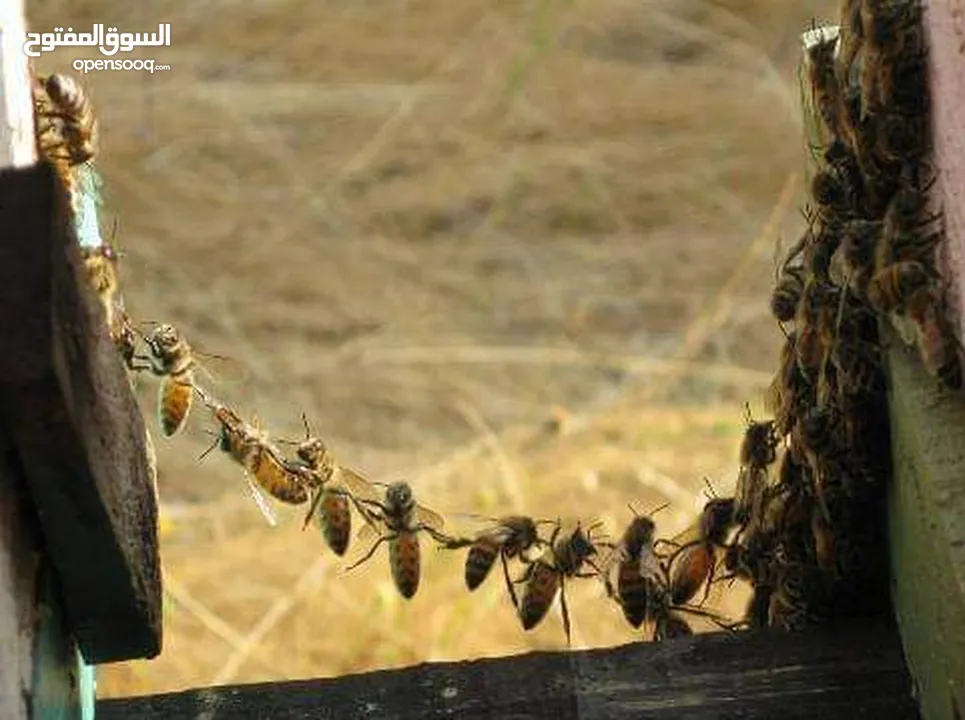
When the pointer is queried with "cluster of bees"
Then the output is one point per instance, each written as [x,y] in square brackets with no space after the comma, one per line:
[811,541]
[807,537]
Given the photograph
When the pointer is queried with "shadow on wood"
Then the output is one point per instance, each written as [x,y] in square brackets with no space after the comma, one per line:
[77,432]
[847,673]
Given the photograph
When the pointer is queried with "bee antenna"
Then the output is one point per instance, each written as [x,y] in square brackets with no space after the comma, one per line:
[633,509]
[658,509]
[712,493]
[308,430]
[211,447]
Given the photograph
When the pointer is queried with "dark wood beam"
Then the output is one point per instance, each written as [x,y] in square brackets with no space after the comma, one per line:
[75,427]
[829,673]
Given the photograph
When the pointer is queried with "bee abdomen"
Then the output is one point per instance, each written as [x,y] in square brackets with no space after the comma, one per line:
[479,561]
[633,594]
[538,595]
[335,520]
[404,559]
[174,404]
[689,572]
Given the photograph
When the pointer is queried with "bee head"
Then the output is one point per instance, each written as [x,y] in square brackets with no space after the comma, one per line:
[715,520]
[639,533]
[59,86]
[398,496]
[311,450]
[163,338]
[581,544]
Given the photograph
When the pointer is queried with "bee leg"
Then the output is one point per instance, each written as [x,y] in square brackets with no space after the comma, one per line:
[440,537]
[369,516]
[708,582]
[369,554]
[509,582]
[211,447]
[313,507]
[566,613]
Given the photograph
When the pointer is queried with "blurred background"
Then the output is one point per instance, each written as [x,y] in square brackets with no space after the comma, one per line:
[518,253]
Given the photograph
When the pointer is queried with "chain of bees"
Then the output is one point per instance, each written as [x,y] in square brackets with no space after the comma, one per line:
[808,538]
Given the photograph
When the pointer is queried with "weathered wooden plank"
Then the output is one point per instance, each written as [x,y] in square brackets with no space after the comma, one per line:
[78,432]
[20,545]
[945,25]
[849,672]
[927,529]
[17,145]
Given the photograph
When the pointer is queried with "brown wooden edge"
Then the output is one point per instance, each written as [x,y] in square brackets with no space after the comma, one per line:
[842,673]
[76,427]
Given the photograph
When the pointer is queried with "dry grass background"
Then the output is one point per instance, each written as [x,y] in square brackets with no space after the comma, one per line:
[434,227]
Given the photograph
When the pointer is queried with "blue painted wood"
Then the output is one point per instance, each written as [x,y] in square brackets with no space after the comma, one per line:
[85,201]
[63,684]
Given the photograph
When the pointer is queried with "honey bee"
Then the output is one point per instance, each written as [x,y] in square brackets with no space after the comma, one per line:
[893,63]
[859,239]
[125,338]
[262,463]
[101,265]
[820,47]
[833,194]
[399,519]
[546,576]
[790,390]
[511,537]
[815,326]
[787,293]
[331,486]
[170,358]
[693,565]
[758,451]
[640,577]
[850,37]
[75,135]
[899,284]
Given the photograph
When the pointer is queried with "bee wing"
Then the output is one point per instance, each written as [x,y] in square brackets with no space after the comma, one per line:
[774,394]
[221,370]
[650,567]
[609,568]
[357,486]
[260,500]
[686,536]
[370,530]
[429,518]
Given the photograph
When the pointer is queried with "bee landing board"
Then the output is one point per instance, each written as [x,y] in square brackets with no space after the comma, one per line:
[75,427]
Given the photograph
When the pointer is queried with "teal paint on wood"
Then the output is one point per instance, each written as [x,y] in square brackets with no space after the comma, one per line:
[927,532]
[63,685]
[85,200]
